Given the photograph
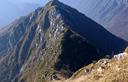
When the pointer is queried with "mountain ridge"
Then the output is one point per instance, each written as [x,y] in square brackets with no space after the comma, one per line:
[54,40]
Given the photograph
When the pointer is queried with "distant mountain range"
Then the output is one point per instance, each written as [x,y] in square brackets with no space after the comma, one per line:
[119,24]
[112,14]
[104,10]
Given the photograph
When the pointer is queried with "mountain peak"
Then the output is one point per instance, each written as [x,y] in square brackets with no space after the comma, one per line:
[53,2]
[55,40]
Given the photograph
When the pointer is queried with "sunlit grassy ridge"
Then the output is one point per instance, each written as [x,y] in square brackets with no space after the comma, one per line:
[105,70]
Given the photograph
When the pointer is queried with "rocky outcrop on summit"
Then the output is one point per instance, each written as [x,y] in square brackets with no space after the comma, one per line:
[53,41]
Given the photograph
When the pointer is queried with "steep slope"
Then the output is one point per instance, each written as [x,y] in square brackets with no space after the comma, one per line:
[10,42]
[53,41]
[105,70]
[94,33]
[112,14]
[10,35]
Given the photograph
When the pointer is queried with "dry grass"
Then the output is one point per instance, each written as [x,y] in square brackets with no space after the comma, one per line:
[126,50]
[114,71]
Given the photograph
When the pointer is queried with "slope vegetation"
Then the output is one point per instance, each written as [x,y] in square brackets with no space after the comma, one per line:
[105,70]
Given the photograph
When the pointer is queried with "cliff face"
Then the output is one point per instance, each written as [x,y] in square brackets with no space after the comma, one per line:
[11,35]
[52,42]
[15,42]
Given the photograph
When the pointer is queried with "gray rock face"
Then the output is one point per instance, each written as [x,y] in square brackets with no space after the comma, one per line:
[11,35]
[11,41]
[56,39]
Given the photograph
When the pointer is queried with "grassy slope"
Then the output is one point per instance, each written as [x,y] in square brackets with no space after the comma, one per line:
[114,71]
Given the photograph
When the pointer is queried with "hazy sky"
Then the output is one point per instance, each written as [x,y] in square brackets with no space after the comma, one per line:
[12,9]
[29,1]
